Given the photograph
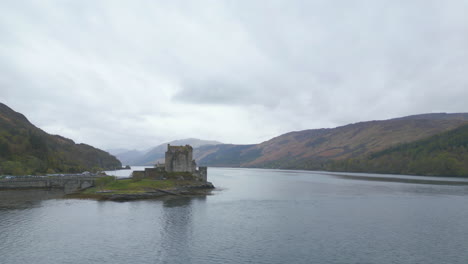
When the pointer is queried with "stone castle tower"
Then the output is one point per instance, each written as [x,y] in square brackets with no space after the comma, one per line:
[179,159]
[179,165]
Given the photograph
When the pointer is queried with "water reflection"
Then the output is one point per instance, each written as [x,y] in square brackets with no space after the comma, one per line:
[177,202]
[426,180]
[261,216]
[176,230]
[25,199]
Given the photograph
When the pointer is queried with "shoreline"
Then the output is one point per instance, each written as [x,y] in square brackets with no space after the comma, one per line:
[117,196]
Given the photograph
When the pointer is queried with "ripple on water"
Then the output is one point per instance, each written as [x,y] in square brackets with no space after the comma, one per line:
[260,216]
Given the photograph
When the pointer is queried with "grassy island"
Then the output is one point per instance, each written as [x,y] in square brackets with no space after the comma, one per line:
[111,188]
[179,176]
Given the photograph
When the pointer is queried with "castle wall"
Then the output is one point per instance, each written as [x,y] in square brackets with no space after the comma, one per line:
[155,173]
[179,165]
[201,174]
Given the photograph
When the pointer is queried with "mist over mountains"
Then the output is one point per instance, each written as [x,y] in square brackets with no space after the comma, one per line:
[155,154]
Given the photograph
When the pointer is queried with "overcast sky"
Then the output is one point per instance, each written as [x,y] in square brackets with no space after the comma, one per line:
[134,74]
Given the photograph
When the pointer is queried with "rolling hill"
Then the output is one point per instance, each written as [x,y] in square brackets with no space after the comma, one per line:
[26,149]
[313,149]
[444,154]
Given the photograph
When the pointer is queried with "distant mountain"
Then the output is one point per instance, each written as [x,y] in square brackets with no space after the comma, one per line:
[444,154]
[156,154]
[126,156]
[313,149]
[26,149]
[117,150]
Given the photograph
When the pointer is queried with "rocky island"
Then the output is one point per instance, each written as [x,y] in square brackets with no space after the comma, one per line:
[178,176]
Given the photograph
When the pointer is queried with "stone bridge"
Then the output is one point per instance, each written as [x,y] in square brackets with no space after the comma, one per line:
[68,183]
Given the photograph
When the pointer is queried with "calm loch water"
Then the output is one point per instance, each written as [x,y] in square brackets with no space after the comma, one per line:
[255,216]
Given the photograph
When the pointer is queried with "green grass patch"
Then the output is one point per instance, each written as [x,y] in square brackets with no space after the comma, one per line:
[128,186]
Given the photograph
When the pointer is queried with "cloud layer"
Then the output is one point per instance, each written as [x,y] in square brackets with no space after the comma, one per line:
[134,74]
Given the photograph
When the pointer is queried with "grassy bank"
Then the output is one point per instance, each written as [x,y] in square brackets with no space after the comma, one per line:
[110,186]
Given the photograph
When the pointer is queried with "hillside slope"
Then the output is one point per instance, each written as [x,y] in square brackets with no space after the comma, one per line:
[445,154]
[26,149]
[311,149]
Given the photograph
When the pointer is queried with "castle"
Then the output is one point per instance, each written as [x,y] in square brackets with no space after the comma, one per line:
[178,165]
[179,159]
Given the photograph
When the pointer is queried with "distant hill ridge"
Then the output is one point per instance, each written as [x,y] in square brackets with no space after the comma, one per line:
[26,149]
[156,154]
[315,148]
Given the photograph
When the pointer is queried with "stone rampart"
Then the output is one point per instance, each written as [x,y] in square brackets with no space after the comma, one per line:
[179,165]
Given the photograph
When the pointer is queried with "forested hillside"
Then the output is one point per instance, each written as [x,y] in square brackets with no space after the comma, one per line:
[26,149]
[444,154]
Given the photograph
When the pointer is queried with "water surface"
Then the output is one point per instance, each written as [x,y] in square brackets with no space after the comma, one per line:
[255,216]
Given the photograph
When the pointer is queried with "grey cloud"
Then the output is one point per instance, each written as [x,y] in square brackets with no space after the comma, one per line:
[214,92]
[135,74]
[229,92]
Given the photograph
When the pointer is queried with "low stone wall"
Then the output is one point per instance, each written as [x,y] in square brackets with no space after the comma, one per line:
[138,174]
[162,174]
[156,173]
